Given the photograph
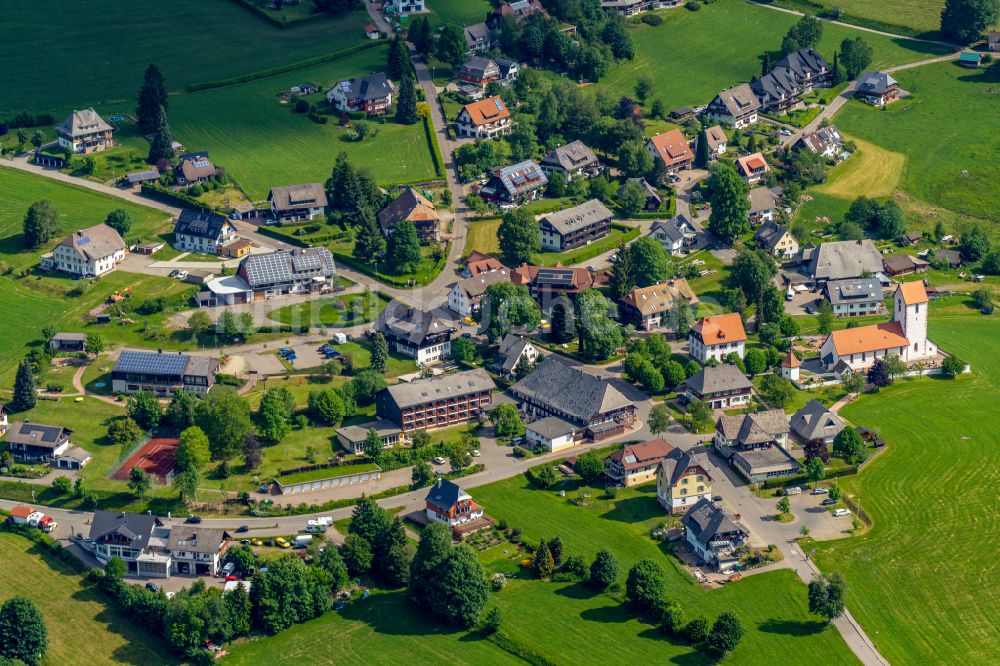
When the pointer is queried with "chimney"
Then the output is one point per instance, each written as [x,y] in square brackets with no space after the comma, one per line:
[440,481]
[159,350]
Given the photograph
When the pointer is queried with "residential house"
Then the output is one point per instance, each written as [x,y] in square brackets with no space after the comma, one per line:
[198,551]
[372,32]
[856,297]
[591,403]
[653,198]
[353,437]
[714,536]
[509,69]
[546,285]
[37,443]
[756,444]
[719,387]
[648,308]
[447,503]
[777,240]
[717,141]
[465,295]
[904,264]
[85,132]
[763,202]
[478,37]
[371,94]
[514,348]
[198,231]
[777,91]
[477,263]
[479,71]
[515,184]
[634,464]
[575,227]
[90,252]
[411,206]
[790,367]
[807,67]
[140,540]
[717,337]
[674,234]
[194,170]
[993,41]
[4,423]
[905,335]
[162,374]
[951,258]
[294,203]
[436,402]
[839,260]
[299,271]
[486,119]
[752,168]
[554,433]
[573,160]
[681,113]
[68,342]
[672,149]
[877,88]
[738,106]
[519,10]
[417,334]
[682,480]
[826,141]
[814,422]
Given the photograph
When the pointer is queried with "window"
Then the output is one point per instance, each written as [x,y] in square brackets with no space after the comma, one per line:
[684,481]
[684,491]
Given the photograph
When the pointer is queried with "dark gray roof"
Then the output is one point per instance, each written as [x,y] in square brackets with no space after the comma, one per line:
[521,177]
[420,391]
[578,217]
[753,428]
[96,242]
[37,434]
[678,462]
[476,33]
[737,100]
[777,85]
[444,494]
[725,377]
[511,348]
[768,459]
[197,539]
[477,65]
[136,527]
[671,228]
[358,433]
[284,267]
[647,189]
[570,391]
[403,321]
[855,290]
[70,337]
[823,139]
[551,427]
[814,421]
[290,197]
[477,284]
[572,156]
[366,88]
[706,521]
[803,64]
[200,224]
[838,260]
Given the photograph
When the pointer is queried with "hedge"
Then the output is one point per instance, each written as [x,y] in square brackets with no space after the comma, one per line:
[435,149]
[164,195]
[284,69]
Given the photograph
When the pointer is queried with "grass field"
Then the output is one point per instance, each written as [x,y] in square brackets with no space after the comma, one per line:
[98,56]
[872,172]
[262,143]
[482,236]
[910,16]
[932,548]
[720,46]
[339,311]
[463,12]
[79,619]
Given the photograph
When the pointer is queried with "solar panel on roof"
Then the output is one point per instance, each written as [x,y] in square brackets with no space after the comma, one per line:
[499,104]
[83,240]
[201,164]
[151,363]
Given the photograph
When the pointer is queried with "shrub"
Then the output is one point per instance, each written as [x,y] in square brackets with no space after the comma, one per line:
[498,581]
[494,619]
[652,19]
[697,629]
[691,5]
[302,106]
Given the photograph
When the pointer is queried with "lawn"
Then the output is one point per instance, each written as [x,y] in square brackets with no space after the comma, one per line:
[263,143]
[942,435]
[720,45]
[482,236]
[78,618]
[327,473]
[872,171]
[338,311]
[619,233]
[901,16]
[463,12]
[99,56]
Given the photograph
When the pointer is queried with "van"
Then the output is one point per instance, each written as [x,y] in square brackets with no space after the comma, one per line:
[302,541]
[313,526]
[229,569]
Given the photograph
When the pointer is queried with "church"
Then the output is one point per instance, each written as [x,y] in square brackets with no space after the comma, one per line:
[905,335]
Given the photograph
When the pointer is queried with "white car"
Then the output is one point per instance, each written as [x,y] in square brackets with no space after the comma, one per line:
[439,461]
[840,513]
[786,132]
[476,453]
[182,275]
[820,491]
[794,490]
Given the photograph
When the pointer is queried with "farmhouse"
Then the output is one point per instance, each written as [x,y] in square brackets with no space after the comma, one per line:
[653,198]
[682,480]
[840,260]
[752,167]
[648,308]
[299,271]
[672,149]
[673,234]
[592,403]
[905,335]
[479,71]
[636,463]
[162,374]
[371,94]
[716,337]
[951,258]
[353,437]
[417,334]
[466,295]
[436,402]
[755,444]
[515,184]
[91,252]
[877,88]
[554,433]
[854,297]
[485,119]
[198,231]
[777,240]
[763,202]
[477,263]
[139,540]
[737,106]
[826,141]
[575,227]
[36,442]
[719,387]
[85,132]
[197,551]
[514,348]
[814,422]
[715,136]
[293,203]
[546,285]
[904,264]
[194,170]
[411,206]
[574,160]
[714,536]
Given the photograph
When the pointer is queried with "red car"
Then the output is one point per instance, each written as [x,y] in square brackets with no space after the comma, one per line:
[231,577]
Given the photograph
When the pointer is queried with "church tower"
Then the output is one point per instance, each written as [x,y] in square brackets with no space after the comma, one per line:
[910,311]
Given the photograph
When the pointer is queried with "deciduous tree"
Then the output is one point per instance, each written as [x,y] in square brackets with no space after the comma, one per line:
[41,223]
[23,635]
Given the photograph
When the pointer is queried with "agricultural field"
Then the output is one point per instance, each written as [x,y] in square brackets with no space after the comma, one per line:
[76,616]
[902,16]
[336,312]
[262,142]
[463,12]
[923,542]
[98,56]
[872,171]
[720,45]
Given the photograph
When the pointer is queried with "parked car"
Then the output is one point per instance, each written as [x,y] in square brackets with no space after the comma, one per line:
[592,268]
[794,490]
[291,357]
[820,491]
[281,543]
[229,568]
[173,273]
[439,461]
[717,498]
[152,587]
[242,528]
[269,543]
[476,453]
[193,520]
[840,513]
[181,275]
[786,132]
[284,351]
[828,502]
[256,542]
[466,335]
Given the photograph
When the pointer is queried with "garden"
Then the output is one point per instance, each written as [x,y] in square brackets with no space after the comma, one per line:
[335,312]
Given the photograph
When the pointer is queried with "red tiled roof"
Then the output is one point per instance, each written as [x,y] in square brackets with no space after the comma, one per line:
[720,328]
[672,147]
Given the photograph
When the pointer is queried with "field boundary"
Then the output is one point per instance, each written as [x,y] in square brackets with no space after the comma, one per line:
[825,12]
[257,11]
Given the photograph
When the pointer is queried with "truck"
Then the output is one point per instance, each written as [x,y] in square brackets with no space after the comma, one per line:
[302,541]
[320,524]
